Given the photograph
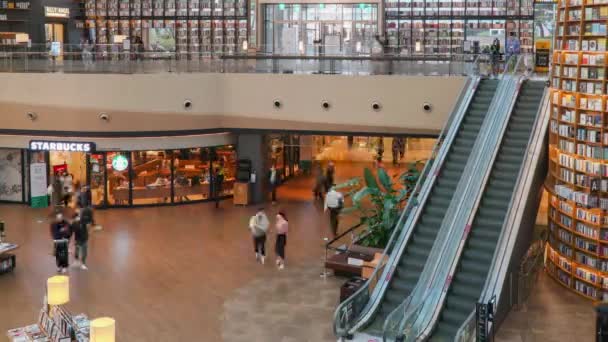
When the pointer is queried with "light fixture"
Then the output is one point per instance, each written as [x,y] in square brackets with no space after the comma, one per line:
[58,290]
[245,45]
[358,47]
[103,330]
[31,115]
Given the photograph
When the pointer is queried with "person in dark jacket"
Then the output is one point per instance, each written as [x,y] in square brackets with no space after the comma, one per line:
[80,227]
[273,182]
[61,233]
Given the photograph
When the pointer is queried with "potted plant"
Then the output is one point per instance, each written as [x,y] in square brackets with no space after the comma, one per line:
[379,201]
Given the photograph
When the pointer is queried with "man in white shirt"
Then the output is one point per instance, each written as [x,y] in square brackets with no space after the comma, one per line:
[258,225]
[334,201]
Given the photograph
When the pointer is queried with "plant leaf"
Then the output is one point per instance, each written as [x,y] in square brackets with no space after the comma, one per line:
[385,180]
[370,179]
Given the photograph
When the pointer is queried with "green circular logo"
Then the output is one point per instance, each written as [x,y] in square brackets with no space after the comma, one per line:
[120,162]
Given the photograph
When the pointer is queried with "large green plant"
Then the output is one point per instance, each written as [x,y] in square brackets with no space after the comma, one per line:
[378,201]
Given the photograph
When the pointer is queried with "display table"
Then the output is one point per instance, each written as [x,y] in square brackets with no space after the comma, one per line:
[7,261]
[58,326]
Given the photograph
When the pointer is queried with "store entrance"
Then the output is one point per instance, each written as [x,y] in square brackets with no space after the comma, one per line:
[54,33]
[70,167]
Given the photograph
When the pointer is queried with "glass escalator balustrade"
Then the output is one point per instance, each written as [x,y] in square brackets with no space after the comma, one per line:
[478,253]
[417,251]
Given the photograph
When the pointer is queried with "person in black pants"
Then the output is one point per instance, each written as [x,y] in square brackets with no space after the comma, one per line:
[61,233]
[273,181]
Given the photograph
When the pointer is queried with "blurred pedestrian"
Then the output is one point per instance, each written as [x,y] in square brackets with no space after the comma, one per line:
[282,228]
[334,202]
[258,224]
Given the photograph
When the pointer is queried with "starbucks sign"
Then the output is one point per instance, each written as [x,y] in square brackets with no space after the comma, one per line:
[120,162]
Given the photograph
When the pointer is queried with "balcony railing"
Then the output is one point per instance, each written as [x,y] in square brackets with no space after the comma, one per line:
[116,60]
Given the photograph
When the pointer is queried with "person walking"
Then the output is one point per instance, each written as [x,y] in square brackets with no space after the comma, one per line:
[61,233]
[258,224]
[401,148]
[281,227]
[330,175]
[513,48]
[395,151]
[273,181]
[495,57]
[319,182]
[334,202]
[80,227]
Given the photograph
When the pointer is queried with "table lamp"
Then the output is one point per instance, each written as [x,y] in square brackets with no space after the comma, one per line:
[103,330]
[58,290]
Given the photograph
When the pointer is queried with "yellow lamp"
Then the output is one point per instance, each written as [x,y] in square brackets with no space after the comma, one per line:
[58,290]
[103,330]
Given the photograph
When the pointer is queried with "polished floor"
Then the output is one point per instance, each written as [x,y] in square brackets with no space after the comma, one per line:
[188,273]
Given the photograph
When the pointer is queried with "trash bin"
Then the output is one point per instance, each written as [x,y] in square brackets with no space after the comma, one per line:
[350,287]
[601,322]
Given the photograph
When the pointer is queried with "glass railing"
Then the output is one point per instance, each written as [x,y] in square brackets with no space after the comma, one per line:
[114,58]
[513,218]
[442,261]
[360,307]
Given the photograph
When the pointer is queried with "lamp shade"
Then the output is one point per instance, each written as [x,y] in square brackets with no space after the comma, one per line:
[103,330]
[58,290]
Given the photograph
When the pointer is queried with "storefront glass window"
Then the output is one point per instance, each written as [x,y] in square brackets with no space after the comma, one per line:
[224,169]
[97,179]
[117,168]
[151,177]
[191,172]
[11,175]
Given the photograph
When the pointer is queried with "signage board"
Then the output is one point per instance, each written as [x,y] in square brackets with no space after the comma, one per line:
[68,146]
[38,187]
[56,12]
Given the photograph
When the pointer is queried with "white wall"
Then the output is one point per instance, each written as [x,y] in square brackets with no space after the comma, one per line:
[154,102]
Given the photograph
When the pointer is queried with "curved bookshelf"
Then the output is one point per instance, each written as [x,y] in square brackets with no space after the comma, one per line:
[577,182]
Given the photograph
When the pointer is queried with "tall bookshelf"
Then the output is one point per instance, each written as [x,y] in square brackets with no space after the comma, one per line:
[199,25]
[577,256]
[440,27]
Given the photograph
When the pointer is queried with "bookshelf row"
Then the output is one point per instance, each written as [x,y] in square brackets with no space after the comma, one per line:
[190,35]
[586,282]
[448,35]
[581,25]
[414,8]
[165,8]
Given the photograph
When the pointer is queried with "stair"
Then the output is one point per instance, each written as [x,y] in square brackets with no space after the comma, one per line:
[424,233]
[476,259]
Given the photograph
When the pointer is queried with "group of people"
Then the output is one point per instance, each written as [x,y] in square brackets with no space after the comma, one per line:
[259,226]
[63,191]
[324,179]
[512,48]
[398,150]
[62,231]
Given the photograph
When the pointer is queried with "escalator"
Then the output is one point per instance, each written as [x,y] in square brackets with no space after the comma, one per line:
[477,256]
[410,265]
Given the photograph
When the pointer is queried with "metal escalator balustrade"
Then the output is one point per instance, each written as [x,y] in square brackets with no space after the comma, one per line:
[414,315]
[412,261]
[529,180]
[356,310]
[477,255]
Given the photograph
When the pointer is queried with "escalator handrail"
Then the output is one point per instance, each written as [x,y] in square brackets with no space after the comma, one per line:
[511,226]
[401,320]
[462,211]
[457,115]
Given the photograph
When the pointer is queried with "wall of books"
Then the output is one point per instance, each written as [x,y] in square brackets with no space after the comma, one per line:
[183,25]
[442,26]
[578,148]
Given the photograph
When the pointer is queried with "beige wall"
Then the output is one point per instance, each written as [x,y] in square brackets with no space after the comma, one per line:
[72,102]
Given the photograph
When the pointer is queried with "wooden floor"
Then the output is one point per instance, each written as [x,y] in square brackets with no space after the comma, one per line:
[162,273]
